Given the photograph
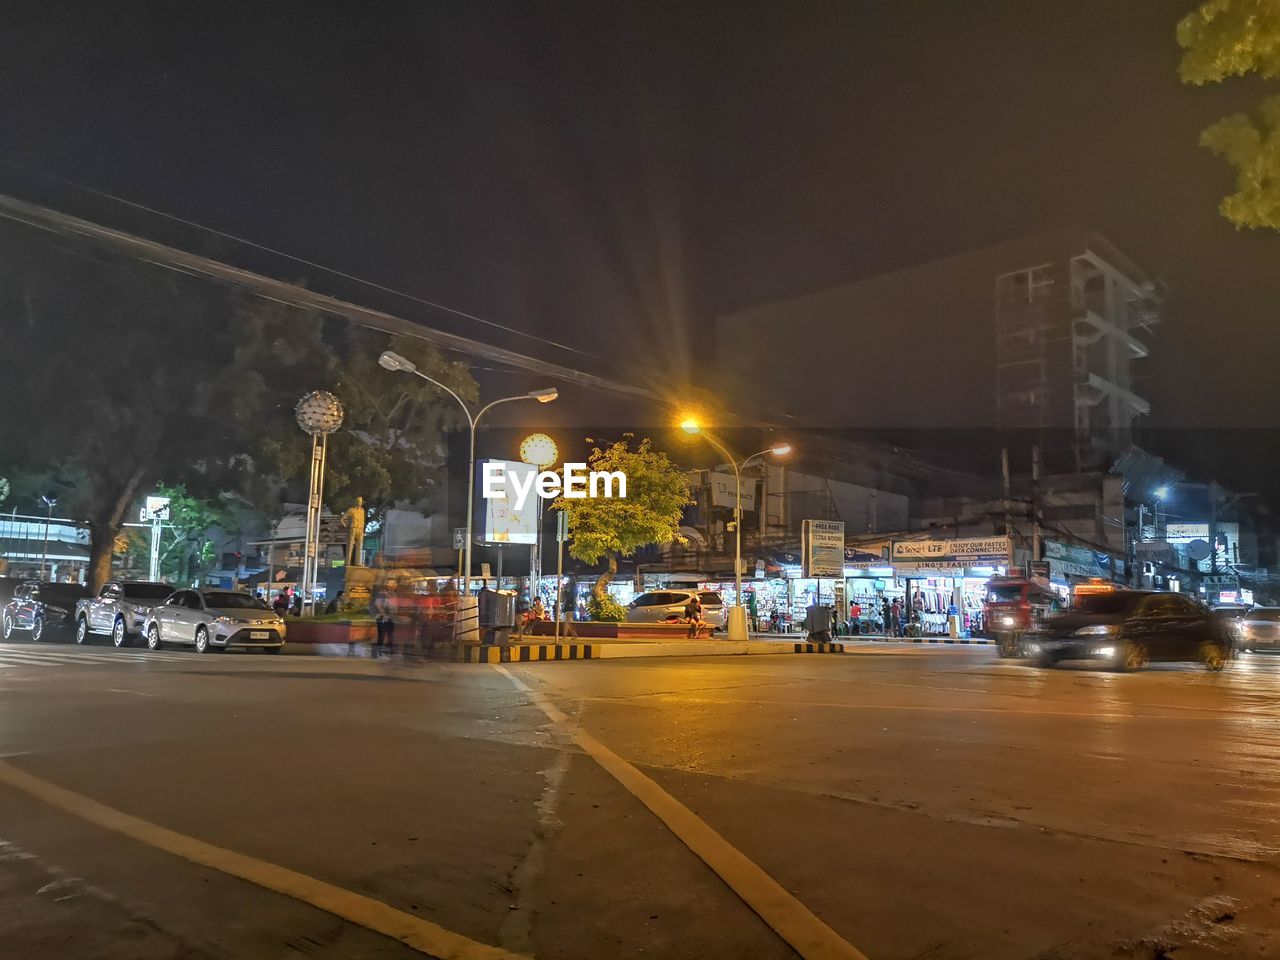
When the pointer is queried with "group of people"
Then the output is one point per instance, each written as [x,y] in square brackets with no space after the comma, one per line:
[898,617]
[527,613]
[287,602]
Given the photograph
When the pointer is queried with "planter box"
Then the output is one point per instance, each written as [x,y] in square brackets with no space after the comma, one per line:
[595,630]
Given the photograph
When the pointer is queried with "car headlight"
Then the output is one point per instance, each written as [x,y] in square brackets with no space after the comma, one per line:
[1096,630]
[1008,622]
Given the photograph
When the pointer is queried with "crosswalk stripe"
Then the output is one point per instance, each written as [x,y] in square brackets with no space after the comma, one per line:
[50,658]
[57,655]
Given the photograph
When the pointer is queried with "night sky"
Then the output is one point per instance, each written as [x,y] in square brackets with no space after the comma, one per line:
[609,177]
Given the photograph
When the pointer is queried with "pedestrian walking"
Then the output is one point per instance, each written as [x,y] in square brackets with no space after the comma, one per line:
[295,605]
[522,614]
[281,603]
[384,621]
[896,610]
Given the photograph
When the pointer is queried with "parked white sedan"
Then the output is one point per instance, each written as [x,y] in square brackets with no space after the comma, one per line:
[214,620]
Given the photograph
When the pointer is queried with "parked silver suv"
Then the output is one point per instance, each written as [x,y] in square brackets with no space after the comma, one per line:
[657,606]
[120,609]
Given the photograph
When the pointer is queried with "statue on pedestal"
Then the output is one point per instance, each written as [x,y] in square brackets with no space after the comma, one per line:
[353,520]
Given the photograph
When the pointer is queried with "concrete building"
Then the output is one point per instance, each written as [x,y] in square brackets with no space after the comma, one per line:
[1030,341]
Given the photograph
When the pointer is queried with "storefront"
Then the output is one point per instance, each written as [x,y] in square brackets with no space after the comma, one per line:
[1070,563]
[938,579]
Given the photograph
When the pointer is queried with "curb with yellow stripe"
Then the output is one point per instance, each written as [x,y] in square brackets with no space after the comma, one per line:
[515,653]
[819,648]
[537,652]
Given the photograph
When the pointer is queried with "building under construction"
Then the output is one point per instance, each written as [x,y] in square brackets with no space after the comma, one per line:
[1033,341]
[1067,332]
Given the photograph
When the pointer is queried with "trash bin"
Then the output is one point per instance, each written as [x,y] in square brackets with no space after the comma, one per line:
[817,623]
[497,616]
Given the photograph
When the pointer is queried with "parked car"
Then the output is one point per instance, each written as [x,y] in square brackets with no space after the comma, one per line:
[658,606]
[7,586]
[45,610]
[120,609]
[214,620]
[1259,629]
[1129,628]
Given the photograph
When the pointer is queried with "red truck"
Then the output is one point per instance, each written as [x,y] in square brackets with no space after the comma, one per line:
[1014,606]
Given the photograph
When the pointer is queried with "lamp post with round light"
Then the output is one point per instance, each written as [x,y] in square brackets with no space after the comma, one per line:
[467,624]
[538,450]
[738,612]
[319,414]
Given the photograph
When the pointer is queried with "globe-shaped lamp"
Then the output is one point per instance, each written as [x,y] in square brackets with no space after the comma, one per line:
[539,450]
[319,412]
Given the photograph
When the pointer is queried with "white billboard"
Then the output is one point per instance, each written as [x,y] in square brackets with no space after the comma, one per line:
[823,548]
[503,523]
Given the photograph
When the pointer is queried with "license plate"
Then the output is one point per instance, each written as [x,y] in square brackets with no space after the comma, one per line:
[259,635]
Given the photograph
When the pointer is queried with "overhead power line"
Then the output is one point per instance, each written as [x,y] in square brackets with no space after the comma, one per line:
[293,294]
[371,284]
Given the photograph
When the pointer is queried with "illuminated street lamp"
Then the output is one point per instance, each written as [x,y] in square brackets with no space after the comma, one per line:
[395,362]
[538,450]
[738,612]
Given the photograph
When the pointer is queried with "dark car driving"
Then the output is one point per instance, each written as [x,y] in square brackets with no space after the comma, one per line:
[1127,629]
[45,610]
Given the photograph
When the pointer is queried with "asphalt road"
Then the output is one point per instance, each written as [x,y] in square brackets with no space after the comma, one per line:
[894,803]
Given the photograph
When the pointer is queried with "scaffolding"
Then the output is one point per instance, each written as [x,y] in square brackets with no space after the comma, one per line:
[1065,345]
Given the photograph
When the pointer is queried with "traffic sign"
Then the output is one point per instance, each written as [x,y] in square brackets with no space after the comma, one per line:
[156,508]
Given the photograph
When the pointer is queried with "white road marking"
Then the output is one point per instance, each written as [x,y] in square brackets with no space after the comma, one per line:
[14,657]
[790,919]
[422,935]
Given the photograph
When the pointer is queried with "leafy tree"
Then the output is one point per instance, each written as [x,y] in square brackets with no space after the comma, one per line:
[135,376]
[391,441]
[610,528]
[116,363]
[186,550]
[1234,38]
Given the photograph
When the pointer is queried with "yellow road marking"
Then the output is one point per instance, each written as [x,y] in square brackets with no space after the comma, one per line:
[422,935]
[789,918]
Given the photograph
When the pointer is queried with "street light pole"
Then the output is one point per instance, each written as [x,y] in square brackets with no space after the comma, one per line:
[393,361]
[738,612]
[50,503]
